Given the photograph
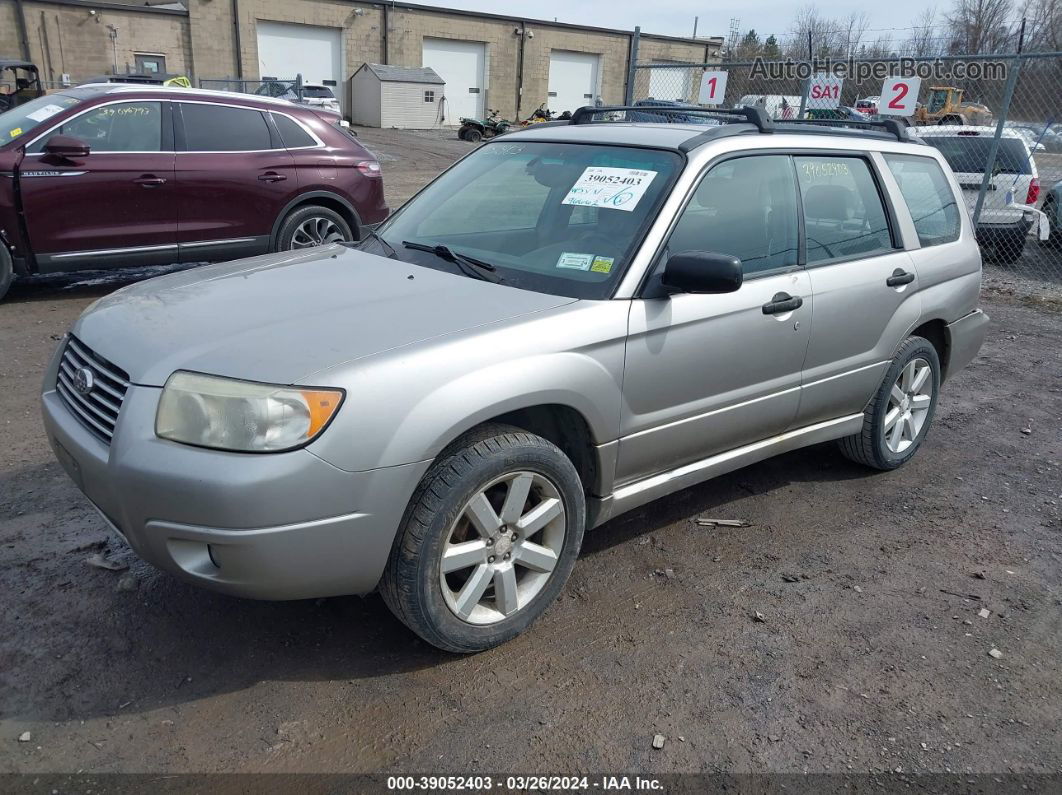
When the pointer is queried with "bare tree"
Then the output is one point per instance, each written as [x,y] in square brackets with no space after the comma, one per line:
[1043,31]
[922,42]
[980,26]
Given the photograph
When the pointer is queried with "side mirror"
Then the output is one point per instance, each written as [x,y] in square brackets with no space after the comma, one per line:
[66,146]
[702,272]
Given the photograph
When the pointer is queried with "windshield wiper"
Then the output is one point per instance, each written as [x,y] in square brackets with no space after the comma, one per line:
[470,266]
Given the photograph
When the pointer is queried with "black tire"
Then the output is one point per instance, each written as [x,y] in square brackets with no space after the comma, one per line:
[474,135]
[411,584]
[1054,238]
[869,446]
[7,271]
[289,235]
[1007,252]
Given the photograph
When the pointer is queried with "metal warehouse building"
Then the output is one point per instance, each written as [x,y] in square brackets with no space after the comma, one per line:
[496,61]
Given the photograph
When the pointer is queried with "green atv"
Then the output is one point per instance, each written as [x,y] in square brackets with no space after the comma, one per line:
[475,130]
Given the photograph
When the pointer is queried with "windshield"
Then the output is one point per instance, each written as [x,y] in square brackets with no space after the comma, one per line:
[969,153]
[21,120]
[556,218]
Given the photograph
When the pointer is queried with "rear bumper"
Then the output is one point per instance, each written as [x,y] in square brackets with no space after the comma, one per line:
[965,337]
[275,526]
[1007,231]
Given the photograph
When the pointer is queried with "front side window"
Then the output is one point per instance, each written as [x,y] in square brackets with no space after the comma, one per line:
[843,214]
[220,128]
[929,197]
[557,218]
[121,127]
[747,208]
[24,119]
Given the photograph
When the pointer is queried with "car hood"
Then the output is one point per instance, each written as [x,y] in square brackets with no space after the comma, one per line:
[280,318]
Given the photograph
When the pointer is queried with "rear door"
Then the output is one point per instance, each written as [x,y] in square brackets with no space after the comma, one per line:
[234,179]
[864,284]
[115,206]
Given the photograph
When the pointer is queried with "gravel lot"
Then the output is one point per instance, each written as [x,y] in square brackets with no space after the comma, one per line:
[872,655]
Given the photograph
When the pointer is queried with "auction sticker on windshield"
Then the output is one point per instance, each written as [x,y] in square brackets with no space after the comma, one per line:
[611,188]
[576,262]
[45,113]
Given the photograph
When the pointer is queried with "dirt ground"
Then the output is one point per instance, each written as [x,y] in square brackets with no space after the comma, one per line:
[872,655]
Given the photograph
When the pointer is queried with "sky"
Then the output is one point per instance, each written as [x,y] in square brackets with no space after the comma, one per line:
[675,17]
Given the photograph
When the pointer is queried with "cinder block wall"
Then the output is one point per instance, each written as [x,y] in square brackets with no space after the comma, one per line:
[70,39]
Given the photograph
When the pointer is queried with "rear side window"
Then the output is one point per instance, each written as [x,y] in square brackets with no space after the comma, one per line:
[218,128]
[292,133]
[843,214]
[968,154]
[929,197]
[120,127]
[744,207]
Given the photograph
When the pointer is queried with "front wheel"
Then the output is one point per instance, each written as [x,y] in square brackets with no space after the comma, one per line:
[897,419]
[474,135]
[7,271]
[314,225]
[488,541]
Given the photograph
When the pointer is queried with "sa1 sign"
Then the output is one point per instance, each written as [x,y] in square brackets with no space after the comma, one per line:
[824,91]
[899,95]
[713,88]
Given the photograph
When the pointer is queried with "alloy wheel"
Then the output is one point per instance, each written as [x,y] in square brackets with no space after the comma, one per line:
[909,403]
[503,547]
[316,231]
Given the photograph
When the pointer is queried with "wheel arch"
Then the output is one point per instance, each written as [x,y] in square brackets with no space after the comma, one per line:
[936,331]
[333,201]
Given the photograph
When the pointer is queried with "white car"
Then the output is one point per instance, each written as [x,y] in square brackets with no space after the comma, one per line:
[1014,187]
[319,96]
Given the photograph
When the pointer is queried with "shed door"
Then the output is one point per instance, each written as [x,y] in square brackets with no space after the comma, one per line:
[285,50]
[461,65]
[572,80]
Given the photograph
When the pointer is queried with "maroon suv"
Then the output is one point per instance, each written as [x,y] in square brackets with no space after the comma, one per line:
[109,175]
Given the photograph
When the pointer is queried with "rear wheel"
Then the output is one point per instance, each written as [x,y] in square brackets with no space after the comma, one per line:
[1007,251]
[897,419]
[313,225]
[488,541]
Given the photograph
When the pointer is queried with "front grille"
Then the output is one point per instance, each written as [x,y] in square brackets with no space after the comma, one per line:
[97,406]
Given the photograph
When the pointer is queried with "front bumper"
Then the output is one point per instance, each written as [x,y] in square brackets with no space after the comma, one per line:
[272,526]
[965,337]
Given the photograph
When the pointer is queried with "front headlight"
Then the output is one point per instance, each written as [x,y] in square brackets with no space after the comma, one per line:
[242,416]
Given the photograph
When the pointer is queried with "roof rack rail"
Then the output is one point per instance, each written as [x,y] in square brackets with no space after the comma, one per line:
[755,116]
[889,126]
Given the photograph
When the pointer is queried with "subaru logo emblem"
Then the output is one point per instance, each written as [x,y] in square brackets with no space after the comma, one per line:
[84,381]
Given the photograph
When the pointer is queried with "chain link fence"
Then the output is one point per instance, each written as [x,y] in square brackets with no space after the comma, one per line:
[269,87]
[996,118]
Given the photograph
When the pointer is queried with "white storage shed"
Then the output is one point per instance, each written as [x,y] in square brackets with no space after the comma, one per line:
[398,96]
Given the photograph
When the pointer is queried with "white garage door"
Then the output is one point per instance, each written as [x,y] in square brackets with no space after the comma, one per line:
[671,84]
[572,80]
[460,64]
[285,50]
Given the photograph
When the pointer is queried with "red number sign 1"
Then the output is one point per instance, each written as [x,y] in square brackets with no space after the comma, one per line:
[713,88]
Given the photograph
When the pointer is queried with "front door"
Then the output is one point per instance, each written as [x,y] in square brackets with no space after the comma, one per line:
[709,373]
[114,206]
[234,178]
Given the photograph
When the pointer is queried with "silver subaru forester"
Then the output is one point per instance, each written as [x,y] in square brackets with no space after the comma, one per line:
[571,321]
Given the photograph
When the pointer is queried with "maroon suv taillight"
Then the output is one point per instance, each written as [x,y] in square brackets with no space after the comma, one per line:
[1034,191]
[369,168]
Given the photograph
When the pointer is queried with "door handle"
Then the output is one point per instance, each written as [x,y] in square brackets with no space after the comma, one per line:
[899,277]
[150,181]
[271,176]
[781,303]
